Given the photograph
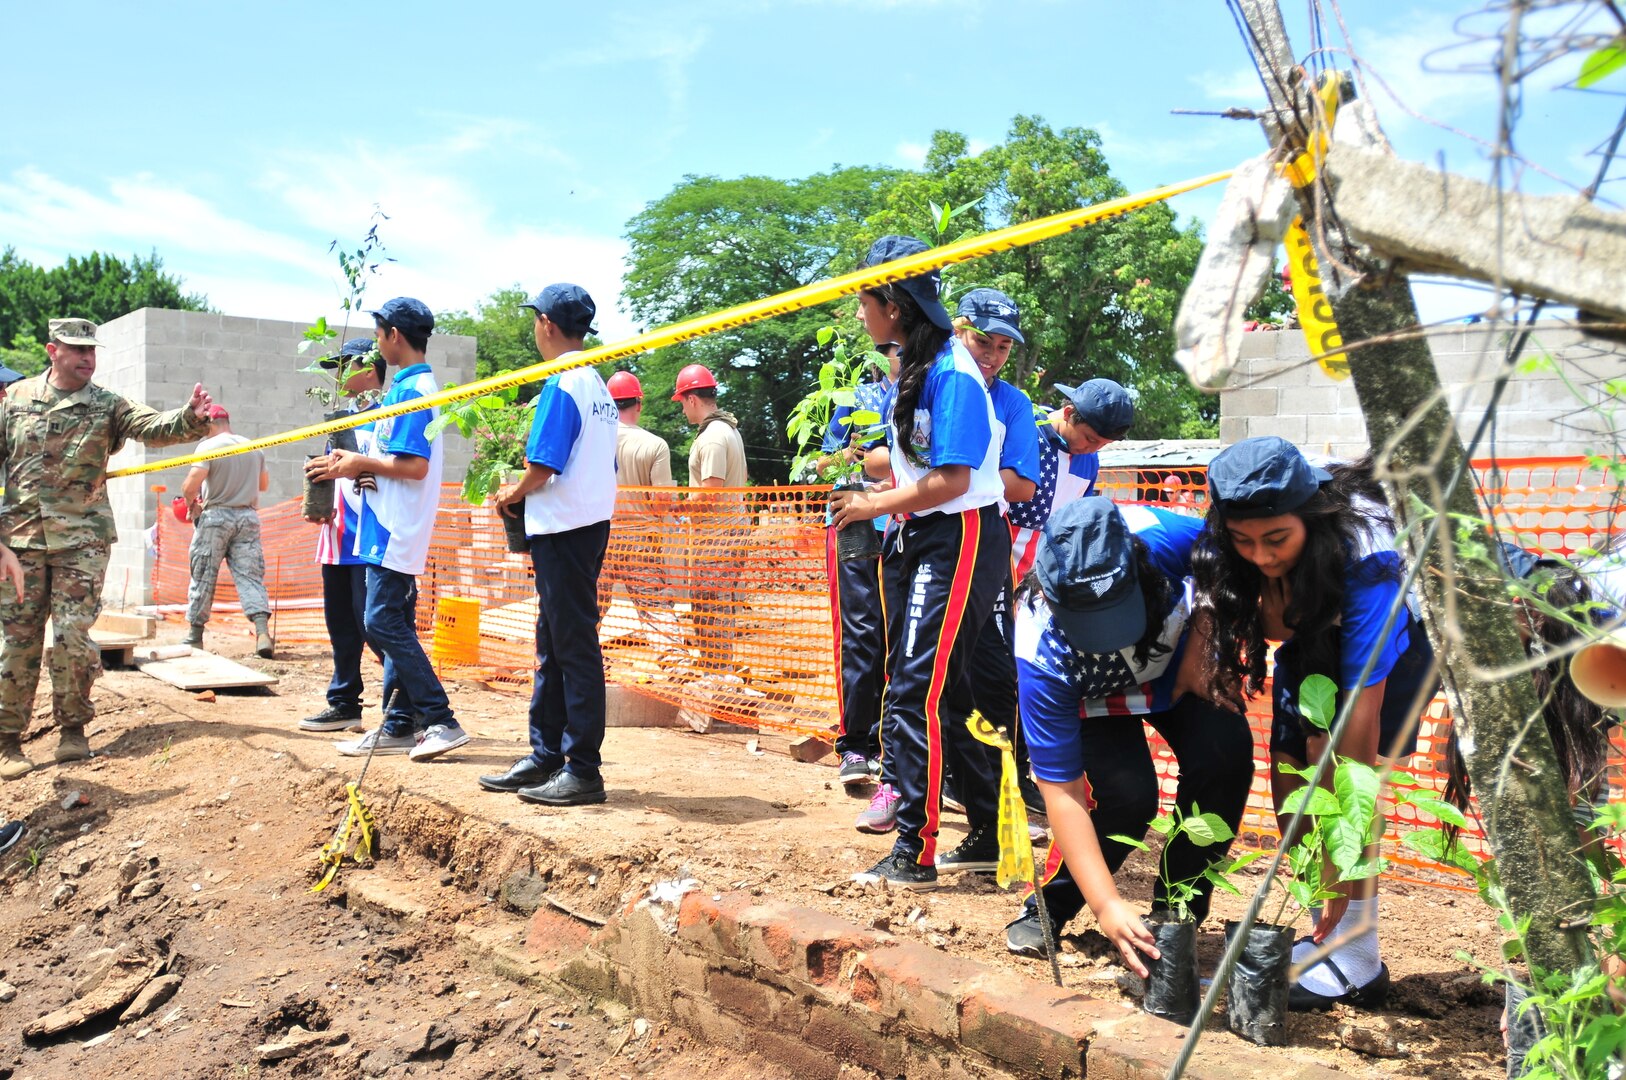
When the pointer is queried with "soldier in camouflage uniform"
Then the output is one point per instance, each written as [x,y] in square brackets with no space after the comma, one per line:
[223,499]
[57,431]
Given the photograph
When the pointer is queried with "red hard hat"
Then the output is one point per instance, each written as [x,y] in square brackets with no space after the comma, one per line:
[623,385]
[693,377]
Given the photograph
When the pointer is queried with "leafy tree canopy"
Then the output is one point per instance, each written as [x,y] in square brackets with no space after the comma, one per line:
[97,287]
[504,333]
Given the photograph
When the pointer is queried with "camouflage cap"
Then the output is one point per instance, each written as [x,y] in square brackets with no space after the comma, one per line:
[74,331]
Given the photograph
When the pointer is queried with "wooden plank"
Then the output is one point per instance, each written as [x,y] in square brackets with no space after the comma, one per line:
[205,671]
[139,627]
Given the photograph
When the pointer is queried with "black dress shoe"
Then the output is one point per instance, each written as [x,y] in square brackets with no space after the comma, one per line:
[1372,995]
[565,789]
[525,773]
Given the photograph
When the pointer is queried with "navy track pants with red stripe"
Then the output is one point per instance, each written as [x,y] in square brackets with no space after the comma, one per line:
[859,630]
[940,578]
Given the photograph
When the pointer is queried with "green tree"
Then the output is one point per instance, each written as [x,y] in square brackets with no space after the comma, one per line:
[97,287]
[504,335]
[712,243]
[1099,302]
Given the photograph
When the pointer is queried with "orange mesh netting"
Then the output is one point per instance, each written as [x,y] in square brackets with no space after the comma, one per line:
[719,605]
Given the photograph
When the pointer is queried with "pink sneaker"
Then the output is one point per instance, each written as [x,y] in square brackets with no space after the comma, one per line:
[882,815]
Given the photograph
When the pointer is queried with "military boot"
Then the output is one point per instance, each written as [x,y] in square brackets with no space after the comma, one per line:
[12,762]
[263,645]
[71,744]
[194,636]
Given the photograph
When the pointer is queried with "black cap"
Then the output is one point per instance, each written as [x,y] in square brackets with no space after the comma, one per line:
[566,306]
[1102,404]
[405,313]
[924,288]
[1086,566]
[356,346]
[1262,477]
[992,312]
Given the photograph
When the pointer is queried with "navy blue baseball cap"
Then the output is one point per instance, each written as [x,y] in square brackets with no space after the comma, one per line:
[1102,404]
[405,313]
[1086,566]
[567,306]
[356,346]
[992,312]
[1265,476]
[8,376]
[924,288]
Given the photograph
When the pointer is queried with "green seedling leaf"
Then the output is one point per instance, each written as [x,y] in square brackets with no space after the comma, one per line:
[1323,803]
[1601,64]
[1205,829]
[863,417]
[843,398]
[1318,700]
[1136,844]
[1163,826]
[1442,810]
[825,334]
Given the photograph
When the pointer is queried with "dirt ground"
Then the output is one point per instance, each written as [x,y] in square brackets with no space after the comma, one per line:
[193,845]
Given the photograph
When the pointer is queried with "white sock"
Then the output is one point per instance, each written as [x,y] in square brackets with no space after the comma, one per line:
[1355,951]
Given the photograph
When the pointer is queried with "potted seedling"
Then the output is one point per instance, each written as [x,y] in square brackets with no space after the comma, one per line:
[499,427]
[1172,989]
[839,380]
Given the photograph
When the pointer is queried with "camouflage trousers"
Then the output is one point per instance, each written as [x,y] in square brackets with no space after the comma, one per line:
[64,585]
[230,533]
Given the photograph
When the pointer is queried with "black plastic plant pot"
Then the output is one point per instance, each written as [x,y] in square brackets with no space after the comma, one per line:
[859,540]
[341,440]
[1256,993]
[317,501]
[513,527]
[1172,991]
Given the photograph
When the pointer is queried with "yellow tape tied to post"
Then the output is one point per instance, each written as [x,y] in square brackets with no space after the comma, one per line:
[1315,310]
[820,292]
[1015,846]
[357,817]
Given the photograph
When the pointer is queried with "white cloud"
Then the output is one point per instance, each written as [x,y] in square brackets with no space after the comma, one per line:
[912,154]
[1238,87]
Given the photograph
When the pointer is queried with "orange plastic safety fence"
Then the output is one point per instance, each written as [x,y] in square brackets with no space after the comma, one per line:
[718,602]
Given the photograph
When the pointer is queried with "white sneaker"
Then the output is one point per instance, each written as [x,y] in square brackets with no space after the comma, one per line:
[387,744]
[438,739]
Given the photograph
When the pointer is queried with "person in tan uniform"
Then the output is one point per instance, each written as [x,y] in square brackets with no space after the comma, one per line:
[642,460]
[719,523]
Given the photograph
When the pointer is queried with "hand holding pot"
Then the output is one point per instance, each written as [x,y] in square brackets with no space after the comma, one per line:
[847,507]
[1122,924]
[337,465]
[507,497]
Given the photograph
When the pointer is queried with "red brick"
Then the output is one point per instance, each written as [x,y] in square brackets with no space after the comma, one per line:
[951,1063]
[553,937]
[801,943]
[712,1025]
[1036,1029]
[755,1001]
[849,1034]
[919,985]
[712,925]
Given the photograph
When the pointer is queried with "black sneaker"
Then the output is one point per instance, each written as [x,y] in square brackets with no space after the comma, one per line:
[1025,936]
[978,853]
[331,719]
[854,770]
[565,788]
[10,833]
[902,870]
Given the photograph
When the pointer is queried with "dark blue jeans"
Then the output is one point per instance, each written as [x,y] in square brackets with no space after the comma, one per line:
[344,608]
[392,626]
[567,696]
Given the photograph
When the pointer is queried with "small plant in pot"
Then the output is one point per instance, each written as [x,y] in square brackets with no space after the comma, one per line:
[1172,989]
[499,427]
[835,402]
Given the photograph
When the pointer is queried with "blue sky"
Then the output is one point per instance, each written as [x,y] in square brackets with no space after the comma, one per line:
[511,143]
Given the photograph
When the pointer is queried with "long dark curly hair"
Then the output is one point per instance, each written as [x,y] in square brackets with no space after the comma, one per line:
[1228,586]
[1579,728]
[922,341]
[1156,590]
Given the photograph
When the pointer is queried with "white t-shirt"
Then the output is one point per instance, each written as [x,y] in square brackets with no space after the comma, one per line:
[574,434]
[954,425]
[398,520]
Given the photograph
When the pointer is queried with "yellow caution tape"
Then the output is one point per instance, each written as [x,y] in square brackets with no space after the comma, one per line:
[1015,846]
[820,292]
[1315,310]
[333,852]
[1301,171]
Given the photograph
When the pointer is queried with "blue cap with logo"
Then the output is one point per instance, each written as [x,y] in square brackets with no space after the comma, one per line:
[925,288]
[1265,476]
[405,313]
[1086,567]
[568,307]
[356,346]
[8,376]
[1102,404]
[992,312]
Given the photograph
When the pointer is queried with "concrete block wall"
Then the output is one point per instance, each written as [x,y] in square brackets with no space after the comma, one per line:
[251,366]
[1277,390]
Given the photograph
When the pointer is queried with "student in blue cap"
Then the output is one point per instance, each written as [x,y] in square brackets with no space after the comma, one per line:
[1306,557]
[1102,649]
[7,377]
[567,496]
[393,532]
[943,567]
